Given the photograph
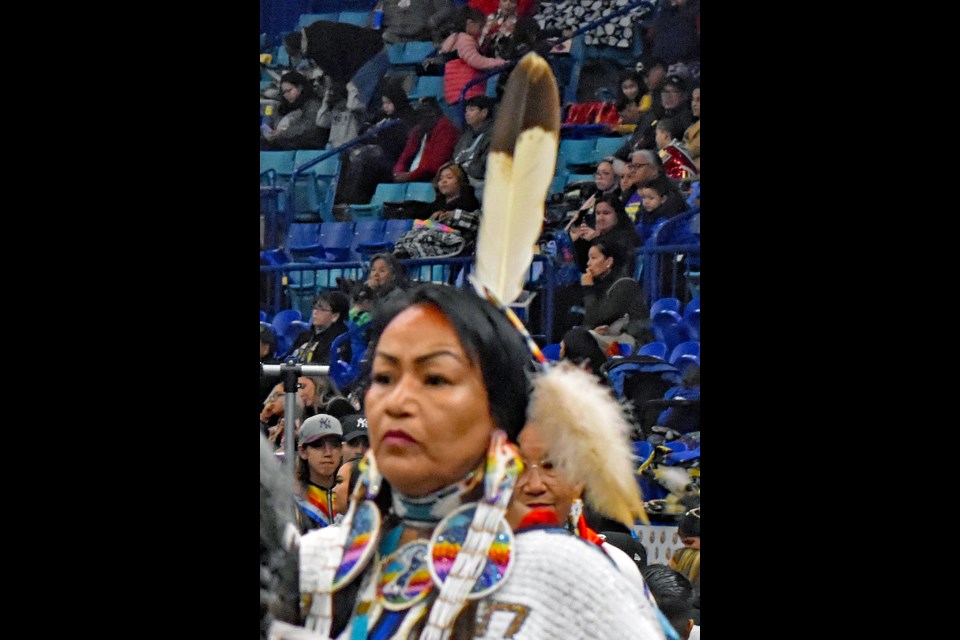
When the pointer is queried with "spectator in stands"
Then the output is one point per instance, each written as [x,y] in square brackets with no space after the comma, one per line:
[296,127]
[429,145]
[674,34]
[674,97]
[616,310]
[654,75]
[320,455]
[644,166]
[387,279]
[344,52]
[340,113]
[677,163]
[328,321]
[612,225]
[471,150]
[367,165]
[691,137]
[413,20]
[661,200]
[456,204]
[499,25]
[604,181]
[356,438]
[469,64]
[632,99]
[673,593]
[347,477]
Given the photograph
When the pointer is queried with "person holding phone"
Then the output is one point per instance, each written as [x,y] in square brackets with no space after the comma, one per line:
[611,224]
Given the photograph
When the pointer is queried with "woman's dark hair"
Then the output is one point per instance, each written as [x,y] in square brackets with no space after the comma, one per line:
[611,249]
[622,99]
[489,340]
[306,92]
[579,346]
[672,591]
[393,90]
[613,199]
[465,13]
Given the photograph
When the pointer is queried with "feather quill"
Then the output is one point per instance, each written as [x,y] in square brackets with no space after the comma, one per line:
[520,165]
[589,439]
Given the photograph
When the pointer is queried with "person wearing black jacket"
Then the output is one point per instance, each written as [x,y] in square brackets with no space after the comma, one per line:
[330,311]
[616,310]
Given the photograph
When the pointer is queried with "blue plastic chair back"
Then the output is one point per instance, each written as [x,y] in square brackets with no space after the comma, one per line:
[665,304]
[389,192]
[551,351]
[579,177]
[394,229]
[575,152]
[336,239]
[317,186]
[420,191]
[395,52]
[655,349]
[642,449]
[281,323]
[607,146]
[685,353]
[366,232]
[414,52]
[263,316]
[279,161]
[428,86]
[290,335]
[303,240]
[358,18]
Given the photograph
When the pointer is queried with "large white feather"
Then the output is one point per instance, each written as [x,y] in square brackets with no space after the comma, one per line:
[518,178]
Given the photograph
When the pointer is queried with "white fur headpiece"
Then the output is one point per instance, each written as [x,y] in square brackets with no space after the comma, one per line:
[589,439]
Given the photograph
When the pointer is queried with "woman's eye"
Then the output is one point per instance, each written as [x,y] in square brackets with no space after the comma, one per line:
[436,380]
[381,378]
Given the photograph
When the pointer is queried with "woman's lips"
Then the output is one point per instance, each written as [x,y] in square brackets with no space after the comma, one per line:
[398,438]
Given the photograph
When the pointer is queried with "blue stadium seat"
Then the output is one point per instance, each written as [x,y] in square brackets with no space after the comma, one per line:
[395,52]
[293,331]
[385,192]
[579,177]
[684,354]
[415,51]
[336,238]
[575,152]
[316,187]
[303,240]
[281,323]
[420,191]
[280,162]
[358,18]
[428,86]
[655,349]
[665,304]
[263,316]
[607,146]
[366,232]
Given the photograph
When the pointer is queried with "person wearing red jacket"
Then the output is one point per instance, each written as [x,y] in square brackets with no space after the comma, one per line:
[429,145]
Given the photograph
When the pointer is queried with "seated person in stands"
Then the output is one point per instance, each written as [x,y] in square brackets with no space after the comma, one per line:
[456,205]
[611,225]
[644,165]
[675,100]
[661,200]
[340,113]
[413,20]
[632,99]
[676,159]
[472,148]
[295,126]
[429,145]
[367,164]
[616,310]
[605,181]
[328,321]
